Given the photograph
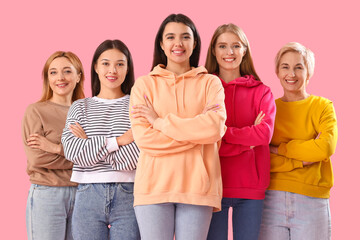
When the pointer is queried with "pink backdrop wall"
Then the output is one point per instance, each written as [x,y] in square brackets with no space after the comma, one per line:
[32,30]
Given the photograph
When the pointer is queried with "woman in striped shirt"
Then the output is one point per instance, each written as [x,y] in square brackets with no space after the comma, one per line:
[98,139]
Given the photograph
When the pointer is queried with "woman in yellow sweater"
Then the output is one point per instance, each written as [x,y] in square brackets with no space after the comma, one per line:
[178,119]
[305,135]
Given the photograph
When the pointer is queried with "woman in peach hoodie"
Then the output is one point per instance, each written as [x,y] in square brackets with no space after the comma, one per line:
[178,119]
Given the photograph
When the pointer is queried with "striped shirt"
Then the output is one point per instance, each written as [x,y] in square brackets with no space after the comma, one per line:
[98,159]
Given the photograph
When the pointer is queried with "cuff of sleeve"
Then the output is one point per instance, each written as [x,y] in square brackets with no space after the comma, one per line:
[62,150]
[111,144]
[282,149]
[298,164]
[158,124]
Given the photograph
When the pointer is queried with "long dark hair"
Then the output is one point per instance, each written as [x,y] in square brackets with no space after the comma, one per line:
[129,79]
[159,55]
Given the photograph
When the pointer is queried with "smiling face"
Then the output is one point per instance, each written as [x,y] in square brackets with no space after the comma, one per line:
[62,77]
[111,68]
[292,73]
[229,52]
[177,43]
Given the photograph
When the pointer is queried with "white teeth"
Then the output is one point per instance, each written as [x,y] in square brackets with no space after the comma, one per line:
[229,59]
[177,52]
[290,81]
[62,85]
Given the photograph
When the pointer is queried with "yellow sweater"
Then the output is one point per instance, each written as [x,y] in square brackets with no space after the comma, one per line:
[179,159]
[297,124]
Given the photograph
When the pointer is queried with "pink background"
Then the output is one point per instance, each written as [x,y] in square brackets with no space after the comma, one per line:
[32,30]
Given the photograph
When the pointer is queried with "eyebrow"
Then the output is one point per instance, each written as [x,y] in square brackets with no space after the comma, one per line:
[231,43]
[185,33]
[56,69]
[120,60]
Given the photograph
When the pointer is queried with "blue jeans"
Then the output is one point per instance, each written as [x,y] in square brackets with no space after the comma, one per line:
[294,216]
[49,211]
[161,221]
[246,219]
[105,211]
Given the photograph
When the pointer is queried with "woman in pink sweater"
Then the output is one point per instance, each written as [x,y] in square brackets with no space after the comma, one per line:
[244,152]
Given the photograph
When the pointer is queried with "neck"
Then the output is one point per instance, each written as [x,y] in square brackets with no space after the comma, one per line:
[110,93]
[229,75]
[294,96]
[61,100]
[178,69]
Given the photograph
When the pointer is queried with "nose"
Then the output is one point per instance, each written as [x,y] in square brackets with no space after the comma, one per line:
[292,73]
[61,75]
[179,43]
[230,51]
[113,69]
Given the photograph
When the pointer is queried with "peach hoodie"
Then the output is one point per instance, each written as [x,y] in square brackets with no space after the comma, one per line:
[179,159]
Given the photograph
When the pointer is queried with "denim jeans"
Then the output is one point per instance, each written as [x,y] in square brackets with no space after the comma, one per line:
[294,216]
[246,219]
[105,211]
[49,212]
[161,221]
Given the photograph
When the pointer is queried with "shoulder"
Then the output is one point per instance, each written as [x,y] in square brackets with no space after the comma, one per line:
[37,108]
[320,102]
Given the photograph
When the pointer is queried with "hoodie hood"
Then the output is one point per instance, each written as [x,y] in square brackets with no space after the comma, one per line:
[177,82]
[161,71]
[244,81]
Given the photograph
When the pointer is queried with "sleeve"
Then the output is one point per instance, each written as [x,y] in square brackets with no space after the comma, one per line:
[205,128]
[83,152]
[315,150]
[260,134]
[283,164]
[36,157]
[229,150]
[125,158]
[148,139]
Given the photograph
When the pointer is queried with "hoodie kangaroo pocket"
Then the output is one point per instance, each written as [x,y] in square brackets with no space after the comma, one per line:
[185,173]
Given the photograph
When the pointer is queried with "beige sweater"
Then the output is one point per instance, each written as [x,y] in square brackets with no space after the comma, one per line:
[47,119]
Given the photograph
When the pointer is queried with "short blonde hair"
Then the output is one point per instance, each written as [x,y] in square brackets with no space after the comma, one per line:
[306,53]
[246,66]
[75,61]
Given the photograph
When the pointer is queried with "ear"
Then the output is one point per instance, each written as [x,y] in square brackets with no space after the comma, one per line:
[162,45]
[96,69]
[79,77]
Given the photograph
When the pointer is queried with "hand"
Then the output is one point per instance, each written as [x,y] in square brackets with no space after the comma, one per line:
[37,141]
[145,111]
[307,163]
[318,136]
[125,139]
[259,118]
[273,149]
[211,108]
[77,130]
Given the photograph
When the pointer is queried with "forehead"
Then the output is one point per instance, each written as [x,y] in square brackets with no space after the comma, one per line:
[60,62]
[292,58]
[112,55]
[177,28]
[228,37]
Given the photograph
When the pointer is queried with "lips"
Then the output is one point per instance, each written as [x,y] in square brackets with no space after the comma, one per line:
[229,59]
[290,81]
[111,78]
[62,85]
[178,52]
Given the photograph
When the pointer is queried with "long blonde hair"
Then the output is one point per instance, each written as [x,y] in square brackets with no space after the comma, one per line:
[78,92]
[246,66]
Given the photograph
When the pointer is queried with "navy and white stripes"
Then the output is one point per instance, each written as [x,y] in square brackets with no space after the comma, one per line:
[102,120]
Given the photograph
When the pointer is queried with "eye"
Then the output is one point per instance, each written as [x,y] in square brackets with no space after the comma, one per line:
[187,37]
[299,68]
[105,63]
[68,72]
[222,46]
[237,46]
[120,64]
[52,72]
[170,37]
[284,67]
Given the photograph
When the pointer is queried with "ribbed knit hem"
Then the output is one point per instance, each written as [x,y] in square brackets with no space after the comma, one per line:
[247,193]
[299,188]
[185,198]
